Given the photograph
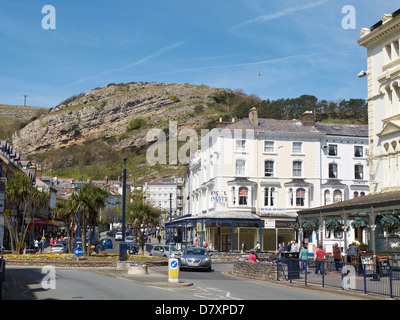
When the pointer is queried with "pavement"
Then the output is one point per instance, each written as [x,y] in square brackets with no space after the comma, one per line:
[152,278]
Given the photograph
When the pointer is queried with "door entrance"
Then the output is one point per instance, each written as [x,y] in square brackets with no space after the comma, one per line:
[226,243]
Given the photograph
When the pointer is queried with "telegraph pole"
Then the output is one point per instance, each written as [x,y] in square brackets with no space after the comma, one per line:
[25,100]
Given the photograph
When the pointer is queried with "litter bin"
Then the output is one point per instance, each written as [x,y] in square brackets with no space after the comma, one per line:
[293,263]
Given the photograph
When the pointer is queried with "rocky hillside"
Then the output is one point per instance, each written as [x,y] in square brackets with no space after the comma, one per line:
[88,134]
[20,112]
[105,113]
[13,117]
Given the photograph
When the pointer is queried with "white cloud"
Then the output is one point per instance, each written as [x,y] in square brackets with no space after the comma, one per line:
[279,14]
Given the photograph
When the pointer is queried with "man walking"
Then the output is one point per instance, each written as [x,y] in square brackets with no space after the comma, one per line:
[320,256]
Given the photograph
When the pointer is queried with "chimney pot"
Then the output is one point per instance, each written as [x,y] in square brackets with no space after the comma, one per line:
[253,116]
[307,118]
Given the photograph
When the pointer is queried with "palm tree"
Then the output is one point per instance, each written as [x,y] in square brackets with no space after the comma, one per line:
[18,192]
[142,215]
[66,213]
[39,200]
[88,200]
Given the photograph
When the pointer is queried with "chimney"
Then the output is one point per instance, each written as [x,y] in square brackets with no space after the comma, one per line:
[307,118]
[253,117]
[38,172]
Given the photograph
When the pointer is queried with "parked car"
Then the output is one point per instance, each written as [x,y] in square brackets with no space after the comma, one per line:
[106,244]
[132,248]
[118,236]
[163,251]
[130,239]
[64,243]
[110,233]
[195,258]
[57,248]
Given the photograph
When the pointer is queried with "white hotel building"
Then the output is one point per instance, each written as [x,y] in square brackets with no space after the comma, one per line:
[251,176]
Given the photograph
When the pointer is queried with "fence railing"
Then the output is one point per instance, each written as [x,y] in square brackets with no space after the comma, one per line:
[367,278]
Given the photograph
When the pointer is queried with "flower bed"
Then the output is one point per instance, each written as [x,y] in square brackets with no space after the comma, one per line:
[70,260]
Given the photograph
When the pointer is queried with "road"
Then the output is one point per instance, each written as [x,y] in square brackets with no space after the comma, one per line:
[31,284]
[80,284]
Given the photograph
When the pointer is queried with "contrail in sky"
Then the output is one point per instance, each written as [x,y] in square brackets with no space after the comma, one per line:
[279,14]
[155,54]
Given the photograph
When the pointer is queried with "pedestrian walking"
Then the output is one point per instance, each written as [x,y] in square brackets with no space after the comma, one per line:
[278,253]
[42,244]
[243,247]
[36,244]
[337,256]
[258,247]
[303,257]
[320,256]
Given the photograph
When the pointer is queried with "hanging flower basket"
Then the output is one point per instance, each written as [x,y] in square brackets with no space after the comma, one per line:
[390,223]
[359,223]
[296,226]
[333,225]
[310,226]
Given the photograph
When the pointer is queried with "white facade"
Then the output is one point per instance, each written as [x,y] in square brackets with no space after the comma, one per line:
[158,194]
[270,169]
[344,167]
[383,62]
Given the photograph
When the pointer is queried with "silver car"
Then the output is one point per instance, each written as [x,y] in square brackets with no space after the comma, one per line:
[163,251]
[196,258]
[58,248]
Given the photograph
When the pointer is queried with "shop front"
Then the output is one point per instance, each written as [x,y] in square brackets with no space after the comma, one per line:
[225,233]
[44,227]
[277,231]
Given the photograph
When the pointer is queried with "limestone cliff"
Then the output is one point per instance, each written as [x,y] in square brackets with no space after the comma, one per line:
[106,113]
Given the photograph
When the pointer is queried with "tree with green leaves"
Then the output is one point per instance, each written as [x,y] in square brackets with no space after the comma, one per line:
[21,194]
[65,212]
[88,201]
[142,215]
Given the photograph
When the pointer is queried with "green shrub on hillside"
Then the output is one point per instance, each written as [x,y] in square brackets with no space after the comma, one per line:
[136,124]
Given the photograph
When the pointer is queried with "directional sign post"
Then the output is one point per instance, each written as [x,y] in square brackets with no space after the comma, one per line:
[173,270]
[3,184]
[78,252]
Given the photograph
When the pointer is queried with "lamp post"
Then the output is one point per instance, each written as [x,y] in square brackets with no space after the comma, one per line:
[122,245]
[170,223]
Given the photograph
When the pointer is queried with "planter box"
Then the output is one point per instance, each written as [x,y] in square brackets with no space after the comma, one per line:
[137,269]
[256,270]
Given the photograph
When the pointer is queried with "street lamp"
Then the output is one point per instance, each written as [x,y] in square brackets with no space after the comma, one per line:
[122,245]
[170,223]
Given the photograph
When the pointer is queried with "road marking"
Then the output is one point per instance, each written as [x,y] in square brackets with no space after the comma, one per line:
[206,294]
[162,288]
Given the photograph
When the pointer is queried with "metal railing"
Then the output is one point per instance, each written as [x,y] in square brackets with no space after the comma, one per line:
[367,278]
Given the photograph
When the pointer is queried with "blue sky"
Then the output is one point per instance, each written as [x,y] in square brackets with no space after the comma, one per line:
[299,46]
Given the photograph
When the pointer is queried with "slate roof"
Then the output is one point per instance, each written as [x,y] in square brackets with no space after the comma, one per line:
[296,126]
[352,130]
[273,125]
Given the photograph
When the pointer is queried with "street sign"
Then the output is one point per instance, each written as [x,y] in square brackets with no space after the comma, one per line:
[78,252]
[173,270]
